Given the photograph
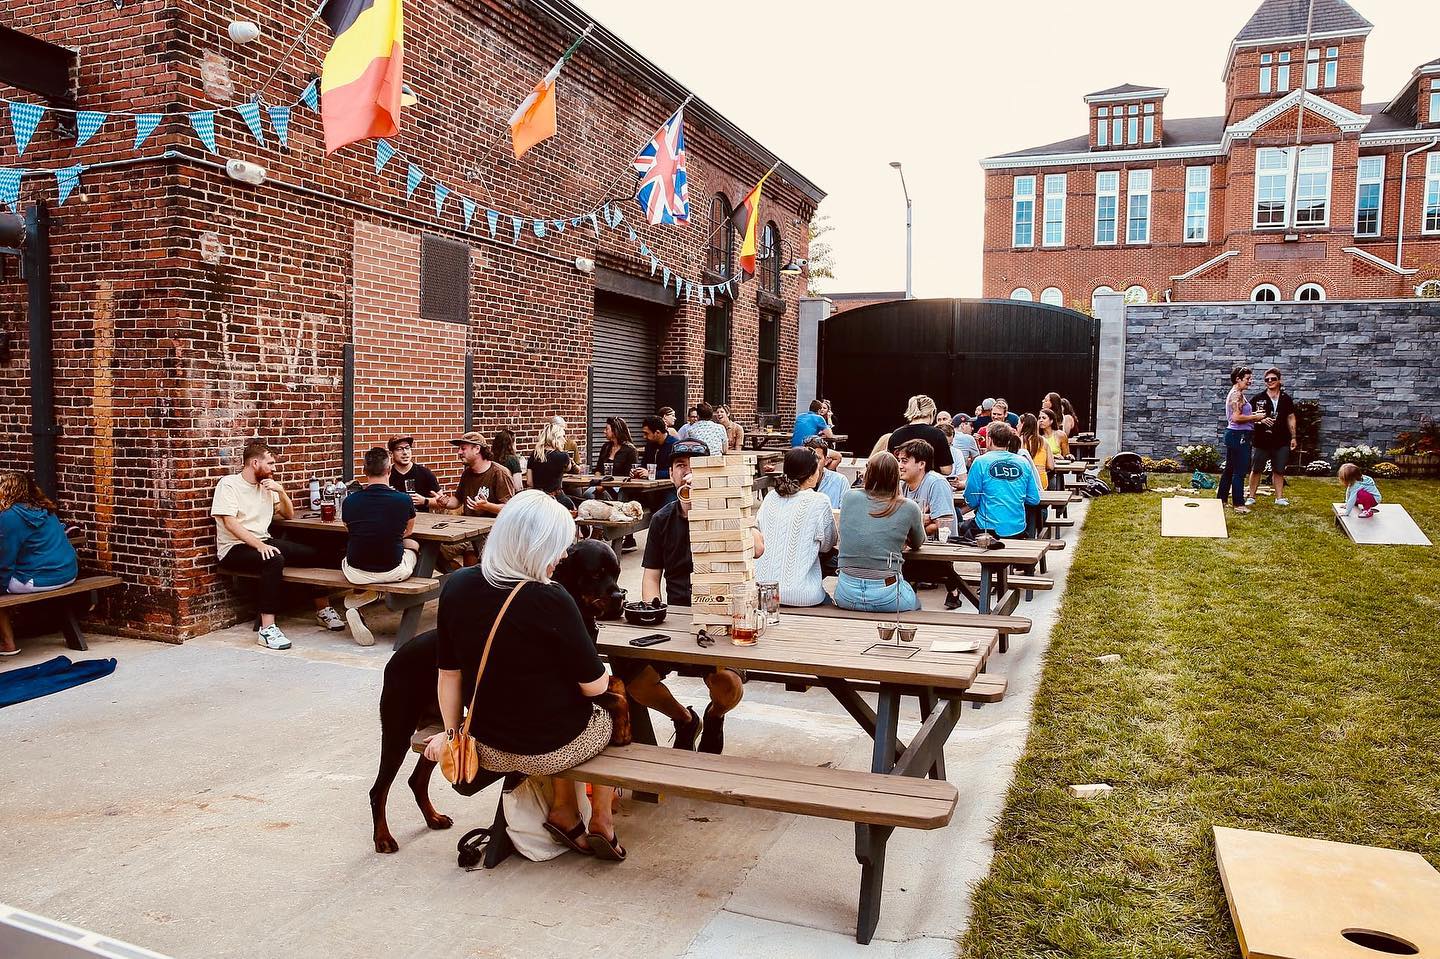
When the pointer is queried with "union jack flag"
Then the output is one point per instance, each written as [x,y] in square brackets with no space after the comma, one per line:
[664,189]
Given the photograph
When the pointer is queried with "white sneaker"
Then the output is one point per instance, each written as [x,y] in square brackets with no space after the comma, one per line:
[271,638]
[1249,501]
[358,629]
[330,619]
[1282,502]
[354,600]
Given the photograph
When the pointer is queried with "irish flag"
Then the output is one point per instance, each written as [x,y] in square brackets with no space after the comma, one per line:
[534,120]
[361,81]
[746,215]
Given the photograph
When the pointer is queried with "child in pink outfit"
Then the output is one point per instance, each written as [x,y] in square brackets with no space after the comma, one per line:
[1361,493]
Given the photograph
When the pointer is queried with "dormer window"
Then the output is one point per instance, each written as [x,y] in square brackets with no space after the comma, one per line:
[1313,65]
[1434,115]
[1102,126]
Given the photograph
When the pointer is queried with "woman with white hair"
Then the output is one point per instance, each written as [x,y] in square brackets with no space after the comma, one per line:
[534,709]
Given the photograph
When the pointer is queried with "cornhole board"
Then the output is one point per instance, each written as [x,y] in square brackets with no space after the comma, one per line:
[1390,526]
[1296,898]
[1187,516]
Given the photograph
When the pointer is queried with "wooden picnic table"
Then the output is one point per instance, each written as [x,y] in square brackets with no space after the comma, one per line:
[432,530]
[994,566]
[768,439]
[582,480]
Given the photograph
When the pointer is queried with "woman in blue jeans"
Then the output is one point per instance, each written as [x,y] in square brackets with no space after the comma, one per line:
[1240,421]
[876,524]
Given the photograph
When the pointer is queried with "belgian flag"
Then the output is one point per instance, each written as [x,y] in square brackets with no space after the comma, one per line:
[745,217]
[362,78]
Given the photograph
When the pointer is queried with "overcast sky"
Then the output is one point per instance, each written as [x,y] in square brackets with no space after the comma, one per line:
[839,90]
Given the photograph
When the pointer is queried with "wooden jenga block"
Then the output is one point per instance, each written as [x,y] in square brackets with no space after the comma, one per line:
[713,578]
[706,462]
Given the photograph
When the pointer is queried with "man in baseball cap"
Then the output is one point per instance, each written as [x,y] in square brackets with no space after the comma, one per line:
[410,477]
[483,488]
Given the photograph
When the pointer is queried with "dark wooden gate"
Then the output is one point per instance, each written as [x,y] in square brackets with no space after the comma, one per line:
[874,358]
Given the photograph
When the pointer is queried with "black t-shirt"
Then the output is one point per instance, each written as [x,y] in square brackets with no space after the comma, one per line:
[530,700]
[546,474]
[1278,435]
[668,549]
[622,460]
[418,480]
[659,454]
[931,435]
[376,517]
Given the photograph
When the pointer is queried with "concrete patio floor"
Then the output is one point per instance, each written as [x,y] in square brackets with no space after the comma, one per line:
[209,800]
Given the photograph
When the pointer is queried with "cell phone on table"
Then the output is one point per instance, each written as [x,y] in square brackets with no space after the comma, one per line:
[654,639]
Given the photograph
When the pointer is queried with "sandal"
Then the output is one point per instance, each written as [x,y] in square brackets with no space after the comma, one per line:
[569,837]
[9,652]
[607,849]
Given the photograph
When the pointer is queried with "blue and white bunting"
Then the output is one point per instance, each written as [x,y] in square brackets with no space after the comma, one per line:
[576,221]
[665,279]
[677,285]
[441,192]
[539,226]
[467,205]
[384,153]
[280,120]
[619,216]
[310,96]
[644,250]
[66,180]
[605,212]
[654,265]
[518,225]
[559,226]
[595,225]
[24,118]
[250,113]
[145,124]
[87,124]
[203,123]
[633,237]
[10,187]
[492,219]
[413,176]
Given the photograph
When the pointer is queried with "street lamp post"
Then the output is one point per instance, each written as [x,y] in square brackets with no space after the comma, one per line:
[909,253]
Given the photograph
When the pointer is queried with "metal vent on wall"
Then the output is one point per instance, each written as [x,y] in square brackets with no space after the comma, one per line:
[444,280]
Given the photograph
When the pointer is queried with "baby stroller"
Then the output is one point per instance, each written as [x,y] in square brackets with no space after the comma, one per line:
[1127,475]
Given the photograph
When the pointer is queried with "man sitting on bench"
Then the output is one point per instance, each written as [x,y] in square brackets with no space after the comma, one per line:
[244,506]
[35,556]
[379,520]
[1001,484]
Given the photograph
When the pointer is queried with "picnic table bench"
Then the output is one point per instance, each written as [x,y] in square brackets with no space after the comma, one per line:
[1004,626]
[612,531]
[990,591]
[69,621]
[582,480]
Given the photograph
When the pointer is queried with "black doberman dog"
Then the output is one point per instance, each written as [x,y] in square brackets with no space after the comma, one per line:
[588,572]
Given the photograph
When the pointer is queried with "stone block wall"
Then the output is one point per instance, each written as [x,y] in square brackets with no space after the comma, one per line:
[1370,364]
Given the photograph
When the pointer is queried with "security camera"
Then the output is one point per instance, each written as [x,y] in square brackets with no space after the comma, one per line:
[245,172]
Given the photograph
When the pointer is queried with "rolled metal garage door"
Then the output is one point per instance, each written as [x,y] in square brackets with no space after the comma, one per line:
[623,363]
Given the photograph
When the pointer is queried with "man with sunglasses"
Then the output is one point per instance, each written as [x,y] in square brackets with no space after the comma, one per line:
[1274,438]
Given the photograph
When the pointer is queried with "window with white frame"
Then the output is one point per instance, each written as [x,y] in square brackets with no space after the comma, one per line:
[1117,128]
[1265,293]
[1099,292]
[1267,70]
[1432,194]
[1273,169]
[1434,101]
[1137,207]
[1137,294]
[1107,205]
[1197,204]
[1132,125]
[1149,136]
[1429,290]
[1020,293]
[1310,292]
[1023,217]
[1315,61]
[1052,296]
[1369,195]
[1282,72]
[1054,234]
[1102,127]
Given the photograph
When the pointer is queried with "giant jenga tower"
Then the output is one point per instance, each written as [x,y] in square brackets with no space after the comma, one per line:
[722,513]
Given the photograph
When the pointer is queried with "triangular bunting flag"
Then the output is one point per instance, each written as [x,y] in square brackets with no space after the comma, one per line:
[203,123]
[66,180]
[145,124]
[654,265]
[619,216]
[633,237]
[559,226]
[441,192]
[384,153]
[310,96]
[468,206]
[10,188]
[577,221]
[413,176]
[280,120]
[492,217]
[24,118]
[595,225]
[644,250]
[606,212]
[665,279]
[678,281]
[250,113]
[87,124]
[539,227]
[518,225]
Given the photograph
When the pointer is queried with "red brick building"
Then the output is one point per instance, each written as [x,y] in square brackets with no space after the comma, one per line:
[324,311]
[840,302]
[1226,207]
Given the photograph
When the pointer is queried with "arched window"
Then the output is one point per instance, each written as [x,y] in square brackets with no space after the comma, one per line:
[1137,294]
[1052,296]
[720,253]
[1099,291]
[1429,290]
[1310,292]
[1265,293]
[769,259]
[1020,293]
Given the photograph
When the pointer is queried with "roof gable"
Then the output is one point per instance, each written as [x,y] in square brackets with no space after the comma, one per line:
[1342,118]
[1290,18]
[1126,91]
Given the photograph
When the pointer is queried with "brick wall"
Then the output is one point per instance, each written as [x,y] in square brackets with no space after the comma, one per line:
[193,312]
[1370,365]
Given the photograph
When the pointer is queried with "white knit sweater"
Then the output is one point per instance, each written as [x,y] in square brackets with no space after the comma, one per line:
[797,529]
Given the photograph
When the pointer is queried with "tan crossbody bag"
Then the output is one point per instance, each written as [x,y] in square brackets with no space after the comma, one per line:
[460,760]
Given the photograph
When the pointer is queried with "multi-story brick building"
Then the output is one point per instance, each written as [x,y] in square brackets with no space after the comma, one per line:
[1229,207]
[325,311]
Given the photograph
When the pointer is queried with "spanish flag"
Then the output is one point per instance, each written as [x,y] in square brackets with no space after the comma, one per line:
[746,215]
[362,78]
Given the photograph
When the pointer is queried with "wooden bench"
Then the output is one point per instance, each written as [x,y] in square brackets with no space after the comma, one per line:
[881,802]
[334,579]
[69,622]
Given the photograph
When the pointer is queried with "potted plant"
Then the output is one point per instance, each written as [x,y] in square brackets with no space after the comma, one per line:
[1417,451]
[1361,455]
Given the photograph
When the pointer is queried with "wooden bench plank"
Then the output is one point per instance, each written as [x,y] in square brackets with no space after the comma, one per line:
[987,688]
[1016,581]
[82,585]
[934,617]
[334,579]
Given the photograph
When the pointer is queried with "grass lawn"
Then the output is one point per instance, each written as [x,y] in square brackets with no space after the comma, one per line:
[1282,680]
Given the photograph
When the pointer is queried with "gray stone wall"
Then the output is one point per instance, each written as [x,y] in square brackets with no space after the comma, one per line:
[1373,365]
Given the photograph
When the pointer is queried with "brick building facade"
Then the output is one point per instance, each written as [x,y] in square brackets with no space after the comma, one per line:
[192,312]
[1224,207]
[840,302]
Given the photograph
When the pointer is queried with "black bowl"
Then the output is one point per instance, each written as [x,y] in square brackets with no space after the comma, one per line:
[643,614]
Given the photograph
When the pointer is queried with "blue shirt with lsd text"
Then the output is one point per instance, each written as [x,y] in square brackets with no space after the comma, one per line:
[1000,485]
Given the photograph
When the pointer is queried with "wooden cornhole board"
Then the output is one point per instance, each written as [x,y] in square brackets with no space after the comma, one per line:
[1294,898]
[1390,526]
[1186,516]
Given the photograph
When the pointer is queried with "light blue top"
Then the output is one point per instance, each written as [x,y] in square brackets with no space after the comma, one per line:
[1000,486]
[833,485]
[934,492]
[807,424]
[1365,482]
[966,442]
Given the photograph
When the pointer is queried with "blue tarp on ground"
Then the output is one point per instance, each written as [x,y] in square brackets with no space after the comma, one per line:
[42,679]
